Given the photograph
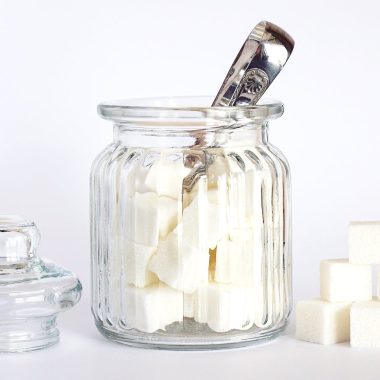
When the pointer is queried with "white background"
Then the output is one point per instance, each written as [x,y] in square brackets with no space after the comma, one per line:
[60,58]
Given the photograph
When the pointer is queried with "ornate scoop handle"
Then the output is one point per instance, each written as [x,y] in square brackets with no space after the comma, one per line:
[261,58]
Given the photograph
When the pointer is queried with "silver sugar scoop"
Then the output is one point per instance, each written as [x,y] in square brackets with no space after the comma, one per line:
[261,58]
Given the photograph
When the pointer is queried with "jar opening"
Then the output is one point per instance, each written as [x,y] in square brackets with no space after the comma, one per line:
[186,113]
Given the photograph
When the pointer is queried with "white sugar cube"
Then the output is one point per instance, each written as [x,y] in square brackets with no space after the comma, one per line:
[201,304]
[135,259]
[166,175]
[322,322]
[194,225]
[234,261]
[226,179]
[205,219]
[345,282]
[224,307]
[149,217]
[365,324]
[169,213]
[188,305]
[364,242]
[217,216]
[236,201]
[236,176]
[253,181]
[245,185]
[217,169]
[180,264]
[153,308]
[182,258]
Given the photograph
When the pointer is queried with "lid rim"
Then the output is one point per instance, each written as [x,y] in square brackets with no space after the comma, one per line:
[10,222]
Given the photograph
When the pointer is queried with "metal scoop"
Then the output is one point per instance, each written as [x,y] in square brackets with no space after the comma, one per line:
[259,61]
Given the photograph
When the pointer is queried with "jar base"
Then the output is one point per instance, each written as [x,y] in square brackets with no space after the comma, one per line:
[163,341]
[20,335]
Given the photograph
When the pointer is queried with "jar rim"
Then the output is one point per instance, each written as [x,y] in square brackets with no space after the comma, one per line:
[187,111]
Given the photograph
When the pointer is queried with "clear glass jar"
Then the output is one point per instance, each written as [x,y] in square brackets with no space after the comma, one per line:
[190,226]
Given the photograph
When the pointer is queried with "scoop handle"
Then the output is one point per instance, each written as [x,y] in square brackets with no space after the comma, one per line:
[261,58]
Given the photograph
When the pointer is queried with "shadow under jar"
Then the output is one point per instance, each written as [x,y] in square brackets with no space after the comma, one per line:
[190,226]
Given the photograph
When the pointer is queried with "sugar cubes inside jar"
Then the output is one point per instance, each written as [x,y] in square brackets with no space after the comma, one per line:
[190,228]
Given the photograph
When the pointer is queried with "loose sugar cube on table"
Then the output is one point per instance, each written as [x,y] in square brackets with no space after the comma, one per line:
[365,324]
[345,282]
[364,242]
[322,322]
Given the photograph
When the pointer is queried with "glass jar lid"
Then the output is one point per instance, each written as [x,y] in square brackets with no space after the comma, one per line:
[32,290]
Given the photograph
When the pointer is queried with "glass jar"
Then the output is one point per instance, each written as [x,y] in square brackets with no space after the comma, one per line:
[190,225]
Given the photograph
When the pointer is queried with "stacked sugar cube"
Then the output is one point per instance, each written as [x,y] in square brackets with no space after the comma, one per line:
[179,258]
[346,309]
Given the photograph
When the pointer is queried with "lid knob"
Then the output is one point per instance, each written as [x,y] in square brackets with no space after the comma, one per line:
[19,239]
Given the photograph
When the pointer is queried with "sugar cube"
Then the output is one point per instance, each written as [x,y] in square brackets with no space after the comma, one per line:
[323,322]
[217,169]
[135,259]
[180,264]
[224,307]
[150,217]
[234,261]
[365,322]
[153,308]
[165,176]
[182,258]
[205,219]
[216,216]
[345,282]
[364,242]
[188,305]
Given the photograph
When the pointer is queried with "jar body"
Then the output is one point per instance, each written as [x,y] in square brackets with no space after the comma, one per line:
[191,243]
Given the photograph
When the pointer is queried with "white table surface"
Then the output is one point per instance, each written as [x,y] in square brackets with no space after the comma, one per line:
[83,353]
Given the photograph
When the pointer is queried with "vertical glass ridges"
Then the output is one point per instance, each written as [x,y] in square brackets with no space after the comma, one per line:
[191,247]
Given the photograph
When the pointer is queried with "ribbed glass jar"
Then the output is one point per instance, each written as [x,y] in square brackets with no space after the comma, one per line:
[190,226]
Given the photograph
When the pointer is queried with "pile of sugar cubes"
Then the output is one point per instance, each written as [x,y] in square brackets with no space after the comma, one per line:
[179,257]
[346,309]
